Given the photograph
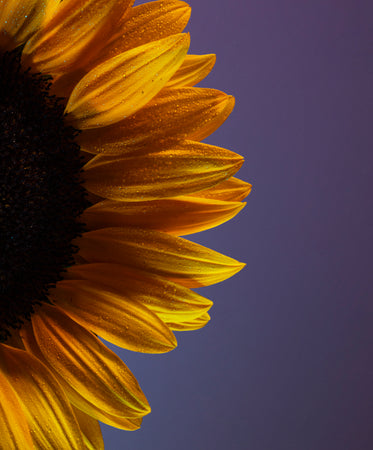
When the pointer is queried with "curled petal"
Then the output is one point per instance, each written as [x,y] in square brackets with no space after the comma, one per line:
[178,215]
[38,390]
[123,84]
[194,324]
[232,190]
[194,69]
[187,167]
[177,259]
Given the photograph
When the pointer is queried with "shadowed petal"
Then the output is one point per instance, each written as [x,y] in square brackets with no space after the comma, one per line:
[194,69]
[91,430]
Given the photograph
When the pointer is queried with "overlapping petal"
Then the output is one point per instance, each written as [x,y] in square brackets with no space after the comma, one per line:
[122,85]
[175,258]
[185,168]
[76,29]
[232,190]
[189,325]
[19,22]
[45,405]
[178,215]
[90,429]
[183,113]
[14,430]
[170,301]
[119,319]
[87,365]
[194,69]
[146,23]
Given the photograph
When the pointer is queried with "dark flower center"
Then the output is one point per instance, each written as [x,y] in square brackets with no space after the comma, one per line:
[41,195]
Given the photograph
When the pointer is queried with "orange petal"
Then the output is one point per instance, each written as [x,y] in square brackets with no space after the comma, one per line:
[187,167]
[122,85]
[90,429]
[20,20]
[14,430]
[38,391]
[146,23]
[232,190]
[183,113]
[78,28]
[118,319]
[195,324]
[177,259]
[178,215]
[170,301]
[194,69]
[78,400]
[87,364]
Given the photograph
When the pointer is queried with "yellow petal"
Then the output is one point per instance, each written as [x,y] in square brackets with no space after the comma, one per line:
[90,429]
[170,301]
[45,405]
[14,430]
[175,258]
[146,23]
[122,85]
[116,318]
[183,113]
[78,28]
[232,190]
[179,215]
[76,399]
[87,365]
[194,69]
[195,324]
[20,20]
[187,167]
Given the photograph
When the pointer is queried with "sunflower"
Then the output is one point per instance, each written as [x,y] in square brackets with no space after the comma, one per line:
[102,169]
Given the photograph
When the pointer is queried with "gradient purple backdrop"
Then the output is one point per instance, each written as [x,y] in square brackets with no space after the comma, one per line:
[285,363]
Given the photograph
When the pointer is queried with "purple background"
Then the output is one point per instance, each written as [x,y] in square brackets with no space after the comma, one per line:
[285,362]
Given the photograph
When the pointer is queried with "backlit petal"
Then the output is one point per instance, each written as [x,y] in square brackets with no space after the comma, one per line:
[38,391]
[179,215]
[170,301]
[195,324]
[187,167]
[194,69]
[120,320]
[175,258]
[122,85]
[87,365]
[232,190]
[78,28]
[183,113]
[20,20]
[14,430]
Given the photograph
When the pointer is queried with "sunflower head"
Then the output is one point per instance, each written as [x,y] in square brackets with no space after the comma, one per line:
[102,169]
